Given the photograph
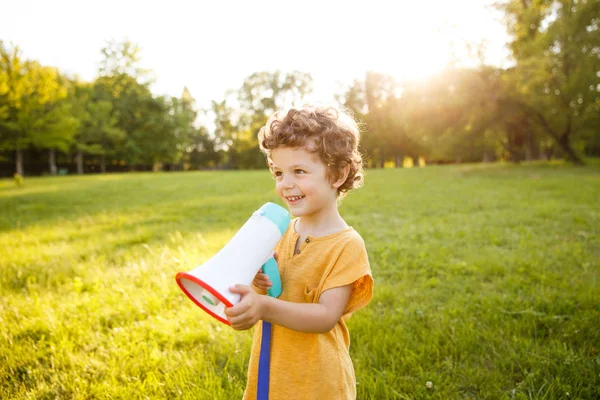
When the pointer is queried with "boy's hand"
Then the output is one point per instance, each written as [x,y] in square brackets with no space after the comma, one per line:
[248,311]
[261,280]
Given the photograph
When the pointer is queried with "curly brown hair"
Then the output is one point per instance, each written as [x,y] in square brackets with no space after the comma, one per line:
[326,131]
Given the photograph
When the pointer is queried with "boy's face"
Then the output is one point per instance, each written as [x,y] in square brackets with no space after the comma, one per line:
[302,182]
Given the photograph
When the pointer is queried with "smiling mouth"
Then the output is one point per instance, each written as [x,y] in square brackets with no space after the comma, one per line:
[294,199]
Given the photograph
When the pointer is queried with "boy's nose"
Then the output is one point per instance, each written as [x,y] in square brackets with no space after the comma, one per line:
[287,182]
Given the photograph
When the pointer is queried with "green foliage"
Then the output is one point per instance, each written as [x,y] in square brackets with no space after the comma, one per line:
[203,152]
[547,104]
[140,127]
[33,109]
[486,284]
[556,45]
[98,130]
[262,94]
[443,118]
[123,59]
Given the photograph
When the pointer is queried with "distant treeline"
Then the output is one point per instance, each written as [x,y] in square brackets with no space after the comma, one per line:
[547,105]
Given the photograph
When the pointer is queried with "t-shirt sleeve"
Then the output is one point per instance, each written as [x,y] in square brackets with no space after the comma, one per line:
[352,268]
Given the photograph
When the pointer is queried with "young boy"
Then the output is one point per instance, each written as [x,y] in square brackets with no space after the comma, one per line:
[323,263]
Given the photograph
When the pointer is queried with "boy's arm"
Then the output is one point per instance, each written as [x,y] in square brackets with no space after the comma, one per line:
[310,318]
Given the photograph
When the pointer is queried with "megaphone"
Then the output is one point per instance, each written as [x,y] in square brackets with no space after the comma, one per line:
[238,263]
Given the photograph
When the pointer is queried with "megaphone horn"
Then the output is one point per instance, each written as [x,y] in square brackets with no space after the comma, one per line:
[238,262]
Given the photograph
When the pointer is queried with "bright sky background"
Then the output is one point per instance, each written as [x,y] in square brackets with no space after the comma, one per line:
[211,46]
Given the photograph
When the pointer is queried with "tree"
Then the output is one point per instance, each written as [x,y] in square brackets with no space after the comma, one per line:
[181,117]
[139,115]
[97,131]
[53,129]
[449,115]
[556,45]
[379,102]
[262,93]
[123,59]
[202,152]
[32,106]
[226,130]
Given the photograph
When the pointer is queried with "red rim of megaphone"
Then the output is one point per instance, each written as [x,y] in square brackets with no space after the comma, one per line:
[206,286]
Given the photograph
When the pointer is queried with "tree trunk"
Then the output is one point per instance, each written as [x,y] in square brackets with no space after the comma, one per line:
[531,147]
[19,162]
[416,161]
[79,161]
[233,159]
[398,160]
[52,161]
[487,158]
[562,140]
[381,159]
[528,152]
[515,154]
[103,164]
[565,146]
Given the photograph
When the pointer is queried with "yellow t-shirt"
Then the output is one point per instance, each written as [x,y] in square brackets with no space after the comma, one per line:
[314,365]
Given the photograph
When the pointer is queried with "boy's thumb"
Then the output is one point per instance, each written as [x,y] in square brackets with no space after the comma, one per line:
[240,289]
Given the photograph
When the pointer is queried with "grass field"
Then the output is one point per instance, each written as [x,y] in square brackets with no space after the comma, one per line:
[486,284]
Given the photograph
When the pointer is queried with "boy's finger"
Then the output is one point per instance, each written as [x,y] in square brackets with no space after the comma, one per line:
[263,278]
[240,289]
[237,310]
[230,313]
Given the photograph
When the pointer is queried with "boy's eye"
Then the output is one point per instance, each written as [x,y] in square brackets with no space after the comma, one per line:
[299,171]
[277,174]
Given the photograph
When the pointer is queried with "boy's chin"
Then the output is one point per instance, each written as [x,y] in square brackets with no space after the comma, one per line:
[298,212]
[295,210]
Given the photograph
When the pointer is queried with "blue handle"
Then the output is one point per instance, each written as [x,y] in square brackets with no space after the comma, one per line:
[271,269]
[264,362]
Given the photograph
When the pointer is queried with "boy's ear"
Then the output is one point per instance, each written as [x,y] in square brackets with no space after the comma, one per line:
[342,177]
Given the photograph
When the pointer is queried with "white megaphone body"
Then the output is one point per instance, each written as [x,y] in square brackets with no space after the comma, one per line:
[238,262]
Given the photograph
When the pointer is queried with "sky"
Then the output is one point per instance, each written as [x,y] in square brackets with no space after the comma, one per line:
[211,46]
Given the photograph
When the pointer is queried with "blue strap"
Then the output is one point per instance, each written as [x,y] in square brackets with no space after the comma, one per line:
[264,363]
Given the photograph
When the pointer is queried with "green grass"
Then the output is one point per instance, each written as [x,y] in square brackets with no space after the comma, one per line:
[486,284]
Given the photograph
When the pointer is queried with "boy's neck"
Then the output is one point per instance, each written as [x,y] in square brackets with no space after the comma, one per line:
[321,224]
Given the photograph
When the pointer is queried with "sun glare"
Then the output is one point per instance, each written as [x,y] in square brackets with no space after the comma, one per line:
[411,49]
[416,62]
